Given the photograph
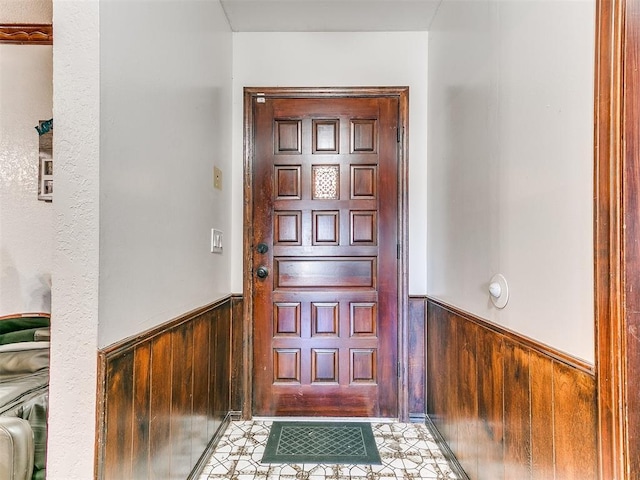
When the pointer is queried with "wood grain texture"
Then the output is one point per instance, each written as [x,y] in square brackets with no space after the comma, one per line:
[437,331]
[181,398]
[201,390]
[27,34]
[451,397]
[119,417]
[166,394]
[517,412]
[417,357]
[507,409]
[237,360]
[141,464]
[575,425]
[292,184]
[542,406]
[466,402]
[608,274]
[490,406]
[222,387]
[160,417]
[631,232]
[617,260]
[315,251]
[213,422]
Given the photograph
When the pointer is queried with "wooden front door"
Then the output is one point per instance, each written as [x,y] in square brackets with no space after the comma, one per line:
[325,256]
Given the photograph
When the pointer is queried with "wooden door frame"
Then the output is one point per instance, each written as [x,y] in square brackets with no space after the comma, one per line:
[402,93]
[617,227]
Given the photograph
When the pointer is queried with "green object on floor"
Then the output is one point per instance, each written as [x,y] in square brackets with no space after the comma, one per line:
[321,442]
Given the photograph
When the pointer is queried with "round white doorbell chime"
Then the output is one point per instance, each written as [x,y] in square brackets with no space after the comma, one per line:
[499,291]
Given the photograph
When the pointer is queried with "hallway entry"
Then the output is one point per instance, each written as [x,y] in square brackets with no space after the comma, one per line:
[325,255]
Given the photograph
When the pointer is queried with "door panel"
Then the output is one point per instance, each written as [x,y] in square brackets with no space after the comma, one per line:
[322,272]
[325,202]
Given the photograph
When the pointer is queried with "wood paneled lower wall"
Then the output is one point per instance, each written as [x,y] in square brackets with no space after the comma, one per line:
[417,360]
[509,408]
[164,395]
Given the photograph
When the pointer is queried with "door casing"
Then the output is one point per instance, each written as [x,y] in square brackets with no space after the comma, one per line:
[402,93]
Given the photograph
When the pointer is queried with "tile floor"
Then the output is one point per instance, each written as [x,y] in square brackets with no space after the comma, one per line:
[407,450]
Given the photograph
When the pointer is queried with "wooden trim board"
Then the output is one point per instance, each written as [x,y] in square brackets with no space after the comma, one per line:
[26,34]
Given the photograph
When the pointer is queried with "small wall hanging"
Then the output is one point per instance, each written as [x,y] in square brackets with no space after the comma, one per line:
[45,164]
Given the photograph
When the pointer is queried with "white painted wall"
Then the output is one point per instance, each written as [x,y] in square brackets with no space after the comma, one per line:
[26,224]
[337,59]
[142,103]
[74,325]
[26,11]
[165,122]
[510,177]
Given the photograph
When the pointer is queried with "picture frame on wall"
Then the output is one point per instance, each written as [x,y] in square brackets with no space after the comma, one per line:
[45,160]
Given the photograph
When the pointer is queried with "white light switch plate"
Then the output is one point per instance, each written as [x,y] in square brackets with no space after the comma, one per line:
[216,241]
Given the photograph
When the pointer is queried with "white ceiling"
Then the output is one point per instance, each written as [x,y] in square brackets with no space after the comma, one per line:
[329,15]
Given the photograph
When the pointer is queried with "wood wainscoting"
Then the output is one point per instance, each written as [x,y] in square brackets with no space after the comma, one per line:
[509,407]
[165,395]
[416,358]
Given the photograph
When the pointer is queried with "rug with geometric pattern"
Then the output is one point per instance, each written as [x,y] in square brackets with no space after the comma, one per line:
[321,442]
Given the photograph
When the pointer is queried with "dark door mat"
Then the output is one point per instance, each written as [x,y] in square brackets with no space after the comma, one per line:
[321,442]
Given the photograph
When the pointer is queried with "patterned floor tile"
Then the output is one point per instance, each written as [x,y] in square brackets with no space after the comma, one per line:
[407,450]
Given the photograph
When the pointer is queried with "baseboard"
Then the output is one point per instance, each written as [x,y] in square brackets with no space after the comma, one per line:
[213,443]
[417,417]
[446,451]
